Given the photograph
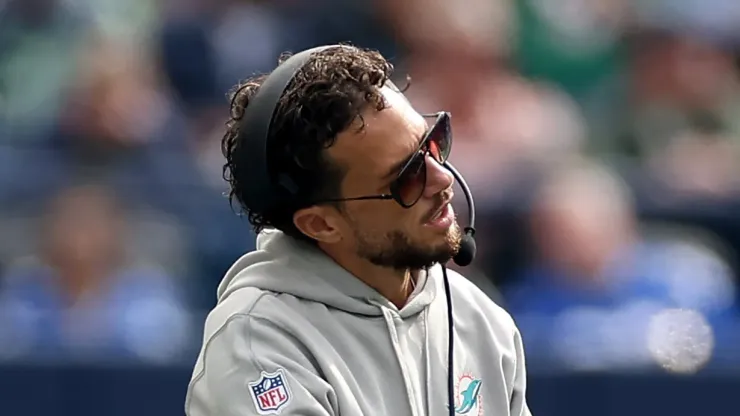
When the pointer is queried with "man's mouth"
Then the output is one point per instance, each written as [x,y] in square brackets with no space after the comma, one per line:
[440,210]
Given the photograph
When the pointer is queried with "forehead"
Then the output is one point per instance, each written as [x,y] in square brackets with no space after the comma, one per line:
[388,137]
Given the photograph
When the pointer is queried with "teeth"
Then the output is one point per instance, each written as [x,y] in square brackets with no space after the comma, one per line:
[438,214]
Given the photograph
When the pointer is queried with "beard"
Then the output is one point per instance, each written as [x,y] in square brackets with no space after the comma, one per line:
[397,250]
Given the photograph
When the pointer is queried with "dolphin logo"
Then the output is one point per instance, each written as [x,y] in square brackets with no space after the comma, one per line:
[469,397]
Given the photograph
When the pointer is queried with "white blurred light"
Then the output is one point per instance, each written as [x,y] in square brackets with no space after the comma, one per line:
[16,336]
[680,340]
[156,330]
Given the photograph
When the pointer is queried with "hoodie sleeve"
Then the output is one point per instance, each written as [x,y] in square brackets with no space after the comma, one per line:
[518,403]
[253,367]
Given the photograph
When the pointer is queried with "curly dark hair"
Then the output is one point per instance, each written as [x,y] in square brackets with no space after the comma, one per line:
[325,97]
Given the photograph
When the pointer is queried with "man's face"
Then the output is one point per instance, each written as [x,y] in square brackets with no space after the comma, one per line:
[382,231]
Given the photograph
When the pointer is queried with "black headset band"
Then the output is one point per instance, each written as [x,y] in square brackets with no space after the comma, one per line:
[262,189]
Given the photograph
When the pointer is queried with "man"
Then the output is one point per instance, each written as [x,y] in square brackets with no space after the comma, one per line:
[342,309]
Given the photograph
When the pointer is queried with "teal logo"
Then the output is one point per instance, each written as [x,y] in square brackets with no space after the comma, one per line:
[468,398]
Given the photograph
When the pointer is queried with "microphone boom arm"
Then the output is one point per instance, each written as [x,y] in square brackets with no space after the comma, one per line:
[468,197]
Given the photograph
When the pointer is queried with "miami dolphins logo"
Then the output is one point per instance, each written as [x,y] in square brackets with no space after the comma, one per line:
[468,398]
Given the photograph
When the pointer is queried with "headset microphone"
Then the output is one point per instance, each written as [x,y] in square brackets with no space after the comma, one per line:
[468,248]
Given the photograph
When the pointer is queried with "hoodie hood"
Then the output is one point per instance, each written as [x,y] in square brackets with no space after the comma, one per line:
[282,264]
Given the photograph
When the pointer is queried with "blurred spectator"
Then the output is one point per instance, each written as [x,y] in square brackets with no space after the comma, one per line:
[573,43]
[684,113]
[114,114]
[587,299]
[470,27]
[577,45]
[504,125]
[715,19]
[34,33]
[119,128]
[134,20]
[81,298]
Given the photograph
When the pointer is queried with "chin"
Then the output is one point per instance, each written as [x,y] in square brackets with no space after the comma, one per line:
[447,245]
[412,250]
[453,236]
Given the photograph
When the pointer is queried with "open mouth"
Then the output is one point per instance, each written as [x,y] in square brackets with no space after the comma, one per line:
[442,218]
[441,212]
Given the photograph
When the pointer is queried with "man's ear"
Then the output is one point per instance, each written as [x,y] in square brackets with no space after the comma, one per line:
[319,223]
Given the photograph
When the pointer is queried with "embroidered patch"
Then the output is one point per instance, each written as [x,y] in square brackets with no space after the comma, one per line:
[468,399]
[270,393]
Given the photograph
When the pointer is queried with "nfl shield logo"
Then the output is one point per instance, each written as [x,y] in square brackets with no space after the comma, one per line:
[270,393]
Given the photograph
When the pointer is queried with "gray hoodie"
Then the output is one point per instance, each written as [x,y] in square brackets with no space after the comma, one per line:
[294,333]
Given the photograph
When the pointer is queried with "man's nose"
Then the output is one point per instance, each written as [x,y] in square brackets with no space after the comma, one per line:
[438,178]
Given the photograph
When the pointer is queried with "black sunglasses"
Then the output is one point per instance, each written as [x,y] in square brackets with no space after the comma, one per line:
[408,187]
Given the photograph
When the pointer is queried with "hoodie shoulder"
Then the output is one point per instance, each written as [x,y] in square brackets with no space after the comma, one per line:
[242,348]
[252,302]
[240,303]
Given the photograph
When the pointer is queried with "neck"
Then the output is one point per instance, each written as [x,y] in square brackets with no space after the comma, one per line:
[394,284]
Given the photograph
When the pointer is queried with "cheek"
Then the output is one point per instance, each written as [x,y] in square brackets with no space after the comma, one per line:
[382,217]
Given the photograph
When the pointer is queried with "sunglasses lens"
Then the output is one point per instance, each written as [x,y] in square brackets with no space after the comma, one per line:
[440,139]
[410,184]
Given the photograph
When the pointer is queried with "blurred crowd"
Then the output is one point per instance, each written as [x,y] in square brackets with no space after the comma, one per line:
[601,139]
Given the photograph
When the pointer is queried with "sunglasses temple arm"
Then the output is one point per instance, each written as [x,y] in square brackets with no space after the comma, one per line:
[466,191]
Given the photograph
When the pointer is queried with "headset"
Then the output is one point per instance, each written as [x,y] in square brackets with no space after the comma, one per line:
[266,188]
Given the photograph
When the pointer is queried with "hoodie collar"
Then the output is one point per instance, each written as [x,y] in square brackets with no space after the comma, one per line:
[283,264]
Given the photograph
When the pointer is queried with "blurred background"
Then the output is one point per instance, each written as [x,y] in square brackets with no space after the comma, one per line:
[601,139]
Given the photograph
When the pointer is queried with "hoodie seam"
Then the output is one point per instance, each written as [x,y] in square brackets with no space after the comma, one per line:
[219,331]
[395,341]
[427,365]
